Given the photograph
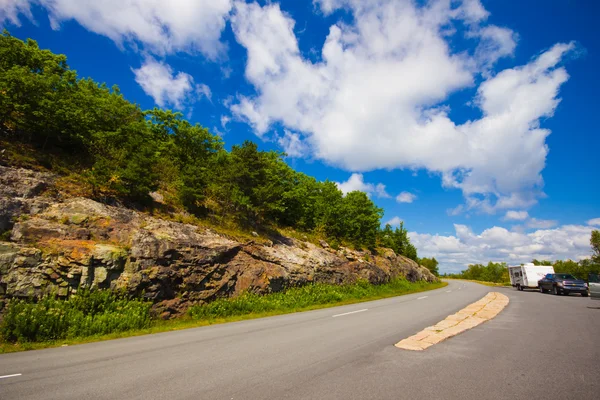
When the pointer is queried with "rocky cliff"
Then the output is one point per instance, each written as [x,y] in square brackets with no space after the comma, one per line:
[51,243]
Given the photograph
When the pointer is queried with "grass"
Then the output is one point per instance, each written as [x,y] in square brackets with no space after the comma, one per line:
[301,298]
[310,297]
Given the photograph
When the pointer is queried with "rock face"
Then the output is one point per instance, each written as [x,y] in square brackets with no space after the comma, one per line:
[60,245]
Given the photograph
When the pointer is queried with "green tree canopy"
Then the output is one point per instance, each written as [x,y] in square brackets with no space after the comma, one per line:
[431,264]
[121,152]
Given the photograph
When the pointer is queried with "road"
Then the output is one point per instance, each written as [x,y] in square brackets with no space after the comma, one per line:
[539,346]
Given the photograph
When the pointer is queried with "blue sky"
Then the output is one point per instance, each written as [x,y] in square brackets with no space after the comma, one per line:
[472,121]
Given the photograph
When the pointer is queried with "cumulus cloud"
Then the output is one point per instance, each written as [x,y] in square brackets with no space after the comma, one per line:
[473,11]
[516,215]
[292,144]
[356,182]
[594,222]
[395,221]
[203,90]
[455,252]
[375,99]
[157,25]
[406,197]
[158,81]
[10,10]
[225,119]
[495,43]
[541,223]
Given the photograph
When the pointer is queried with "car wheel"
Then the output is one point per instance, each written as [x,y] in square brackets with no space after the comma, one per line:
[584,294]
[541,289]
[554,291]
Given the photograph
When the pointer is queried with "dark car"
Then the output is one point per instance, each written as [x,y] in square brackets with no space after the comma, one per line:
[563,284]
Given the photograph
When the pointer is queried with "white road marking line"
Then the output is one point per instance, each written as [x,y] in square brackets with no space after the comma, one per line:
[10,376]
[423,297]
[351,312]
[448,291]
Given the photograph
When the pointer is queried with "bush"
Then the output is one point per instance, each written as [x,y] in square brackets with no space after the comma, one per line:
[87,314]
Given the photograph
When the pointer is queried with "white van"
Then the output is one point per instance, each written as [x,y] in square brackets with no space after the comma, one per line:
[526,276]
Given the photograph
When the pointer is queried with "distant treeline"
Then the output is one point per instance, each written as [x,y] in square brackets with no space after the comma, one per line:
[492,272]
[498,272]
[117,151]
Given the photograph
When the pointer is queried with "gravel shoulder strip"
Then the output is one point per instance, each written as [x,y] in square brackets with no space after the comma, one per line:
[467,318]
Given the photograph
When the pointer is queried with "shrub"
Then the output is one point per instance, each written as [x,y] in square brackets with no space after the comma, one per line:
[87,314]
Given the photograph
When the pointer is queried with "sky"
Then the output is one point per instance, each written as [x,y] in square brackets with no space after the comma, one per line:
[471,121]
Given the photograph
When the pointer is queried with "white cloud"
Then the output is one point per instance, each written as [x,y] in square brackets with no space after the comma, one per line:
[375,100]
[11,9]
[456,210]
[395,221]
[157,25]
[406,197]
[225,119]
[473,11]
[516,215]
[495,43]
[456,251]
[292,144]
[381,192]
[203,90]
[595,222]
[541,223]
[166,88]
[356,182]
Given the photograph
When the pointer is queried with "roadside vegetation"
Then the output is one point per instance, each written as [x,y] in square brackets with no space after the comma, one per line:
[431,264]
[109,149]
[89,313]
[305,297]
[492,273]
[100,315]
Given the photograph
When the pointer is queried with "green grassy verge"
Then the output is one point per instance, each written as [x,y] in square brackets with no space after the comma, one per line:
[248,306]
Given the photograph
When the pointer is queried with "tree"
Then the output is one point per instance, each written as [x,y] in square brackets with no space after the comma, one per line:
[595,243]
[542,262]
[492,272]
[361,219]
[431,264]
[329,210]
[411,252]
[386,237]
[570,267]
[191,149]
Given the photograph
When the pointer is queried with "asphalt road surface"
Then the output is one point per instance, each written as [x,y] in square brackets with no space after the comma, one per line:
[540,346]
